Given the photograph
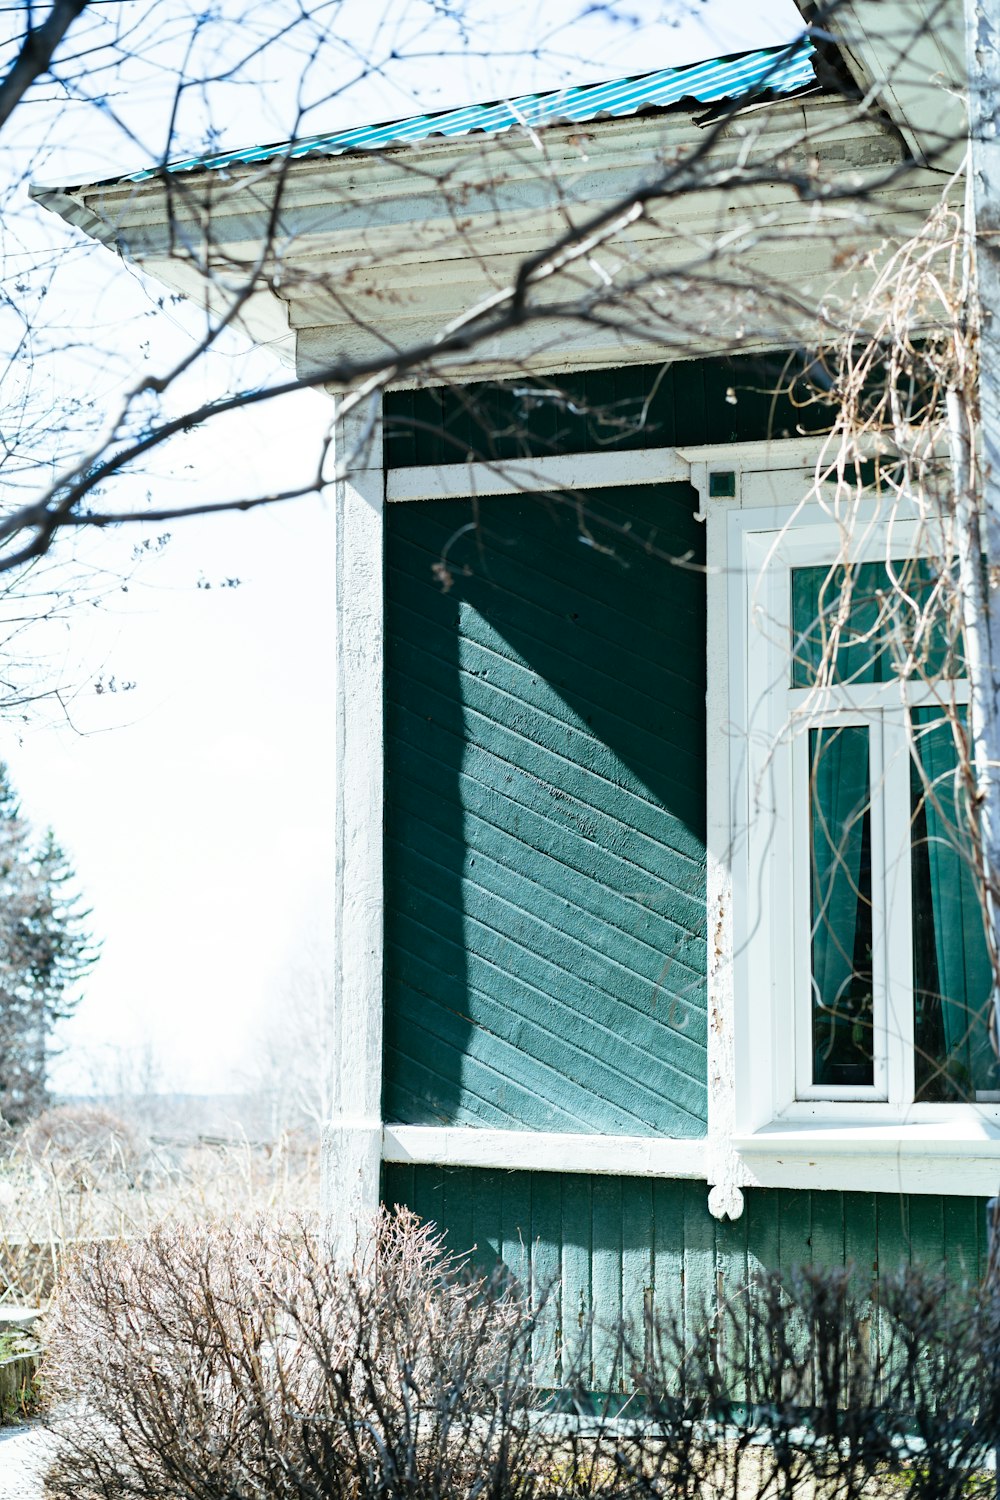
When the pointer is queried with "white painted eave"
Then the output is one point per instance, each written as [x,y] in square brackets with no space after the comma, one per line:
[376,253]
[332,203]
[263,317]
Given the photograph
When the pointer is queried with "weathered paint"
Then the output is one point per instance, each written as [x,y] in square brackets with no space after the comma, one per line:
[692,402]
[352,1137]
[545,897]
[725,1200]
[628,1247]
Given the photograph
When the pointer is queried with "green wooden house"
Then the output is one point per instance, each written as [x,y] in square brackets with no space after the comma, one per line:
[639,989]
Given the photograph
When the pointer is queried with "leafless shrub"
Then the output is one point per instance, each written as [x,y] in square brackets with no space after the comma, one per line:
[802,1386]
[235,1360]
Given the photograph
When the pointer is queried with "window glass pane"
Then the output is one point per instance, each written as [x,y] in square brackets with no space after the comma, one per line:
[841,906]
[951,967]
[861,624]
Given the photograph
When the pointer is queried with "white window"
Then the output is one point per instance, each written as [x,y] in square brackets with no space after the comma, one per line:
[861,976]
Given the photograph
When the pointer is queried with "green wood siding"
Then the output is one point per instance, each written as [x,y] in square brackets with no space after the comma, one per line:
[545,820]
[740,399]
[630,1246]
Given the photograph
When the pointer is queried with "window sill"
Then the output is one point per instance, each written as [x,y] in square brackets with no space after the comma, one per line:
[545,1151]
[950,1156]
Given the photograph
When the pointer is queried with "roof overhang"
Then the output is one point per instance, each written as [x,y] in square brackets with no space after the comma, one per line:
[346,261]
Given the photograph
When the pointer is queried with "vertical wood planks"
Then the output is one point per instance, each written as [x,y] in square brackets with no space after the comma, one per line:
[638,1228]
[826,1241]
[620,1247]
[428,1197]
[546,1258]
[577,1284]
[483,1189]
[397,1184]
[636,406]
[795,1249]
[668,1256]
[892,1232]
[963,1239]
[927,1247]
[607,1281]
[861,1259]
[763,1217]
[699,1294]
[861,1241]
[457,1211]
[893,1249]
[515,1225]
[731,1280]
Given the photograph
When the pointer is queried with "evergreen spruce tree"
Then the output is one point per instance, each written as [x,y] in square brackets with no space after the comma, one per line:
[45,949]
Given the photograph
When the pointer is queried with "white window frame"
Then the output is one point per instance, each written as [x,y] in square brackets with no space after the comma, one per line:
[776,1105]
[745,1144]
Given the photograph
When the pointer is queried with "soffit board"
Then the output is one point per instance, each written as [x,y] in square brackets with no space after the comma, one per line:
[766,294]
[908,58]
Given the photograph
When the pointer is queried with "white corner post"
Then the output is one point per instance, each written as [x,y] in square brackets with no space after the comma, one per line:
[725,1200]
[352,1137]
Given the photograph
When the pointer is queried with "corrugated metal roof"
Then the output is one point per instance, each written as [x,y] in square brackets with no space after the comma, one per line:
[778,70]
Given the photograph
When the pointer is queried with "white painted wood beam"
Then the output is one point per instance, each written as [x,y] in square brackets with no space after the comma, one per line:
[352,1138]
[581,471]
[544,1151]
[725,1199]
[556,472]
[948,1157]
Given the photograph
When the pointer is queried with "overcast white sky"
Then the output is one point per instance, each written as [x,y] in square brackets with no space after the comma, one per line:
[197,805]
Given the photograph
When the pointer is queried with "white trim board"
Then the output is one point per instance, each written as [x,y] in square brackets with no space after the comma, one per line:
[579,471]
[942,1157]
[572,471]
[545,1151]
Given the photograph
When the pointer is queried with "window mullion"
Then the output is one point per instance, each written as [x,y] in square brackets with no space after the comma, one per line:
[895,963]
[801,908]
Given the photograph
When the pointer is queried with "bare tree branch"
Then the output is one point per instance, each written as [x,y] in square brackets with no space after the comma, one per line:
[36,54]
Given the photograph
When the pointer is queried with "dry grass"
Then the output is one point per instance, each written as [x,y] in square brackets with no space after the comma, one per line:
[82,1175]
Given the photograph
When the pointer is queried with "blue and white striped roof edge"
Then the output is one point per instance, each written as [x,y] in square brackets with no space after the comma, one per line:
[780,71]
